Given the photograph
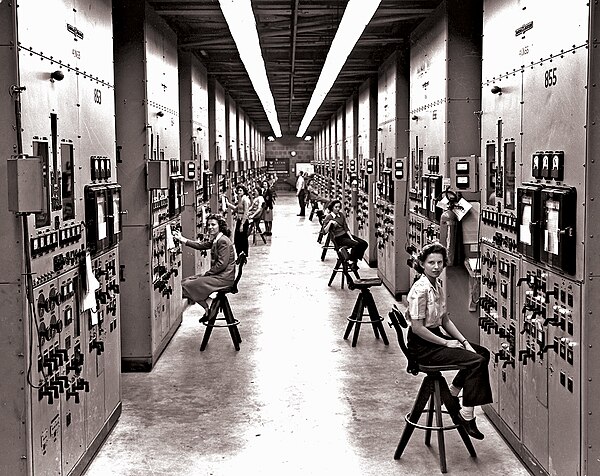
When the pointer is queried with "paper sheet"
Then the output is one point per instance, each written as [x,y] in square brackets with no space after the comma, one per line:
[223,203]
[91,285]
[170,240]
[462,208]
[524,230]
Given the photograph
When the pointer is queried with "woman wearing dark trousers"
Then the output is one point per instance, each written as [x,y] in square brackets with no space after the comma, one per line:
[335,221]
[434,340]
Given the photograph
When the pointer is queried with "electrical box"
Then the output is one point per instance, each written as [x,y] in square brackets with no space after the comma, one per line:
[113,194]
[399,169]
[434,191]
[220,167]
[559,211]
[96,218]
[176,196]
[528,220]
[189,170]
[157,174]
[464,176]
[25,185]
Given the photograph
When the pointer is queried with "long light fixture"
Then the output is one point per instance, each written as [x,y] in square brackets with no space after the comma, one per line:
[240,19]
[356,17]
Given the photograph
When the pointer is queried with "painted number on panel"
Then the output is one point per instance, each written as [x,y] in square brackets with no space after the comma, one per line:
[550,78]
[97,96]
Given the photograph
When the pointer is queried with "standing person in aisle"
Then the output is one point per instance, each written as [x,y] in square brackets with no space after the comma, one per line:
[269,202]
[301,193]
[242,209]
[433,339]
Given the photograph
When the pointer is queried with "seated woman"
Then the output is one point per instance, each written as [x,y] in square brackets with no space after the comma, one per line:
[433,339]
[221,274]
[335,221]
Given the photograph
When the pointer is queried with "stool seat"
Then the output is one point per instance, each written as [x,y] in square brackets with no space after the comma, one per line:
[428,369]
[364,283]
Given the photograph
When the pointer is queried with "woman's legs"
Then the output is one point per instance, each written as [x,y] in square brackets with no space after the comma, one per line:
[240,238]
[357,246]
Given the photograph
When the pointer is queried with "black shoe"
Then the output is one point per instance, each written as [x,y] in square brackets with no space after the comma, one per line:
[300,215]
[204,318]
[469,425]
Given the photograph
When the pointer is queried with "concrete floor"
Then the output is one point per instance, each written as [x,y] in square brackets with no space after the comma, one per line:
[297,399]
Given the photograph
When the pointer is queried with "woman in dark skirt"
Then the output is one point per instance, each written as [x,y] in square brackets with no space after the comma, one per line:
[221,274]
[269,202]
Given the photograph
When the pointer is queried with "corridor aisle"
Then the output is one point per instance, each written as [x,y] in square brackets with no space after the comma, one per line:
[296,399]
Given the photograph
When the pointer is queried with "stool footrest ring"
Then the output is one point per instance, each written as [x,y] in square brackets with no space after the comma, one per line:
[362,321]
[229,324]
[433,428]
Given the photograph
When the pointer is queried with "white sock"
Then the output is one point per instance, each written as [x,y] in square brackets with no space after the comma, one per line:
[454,391]
[468,413]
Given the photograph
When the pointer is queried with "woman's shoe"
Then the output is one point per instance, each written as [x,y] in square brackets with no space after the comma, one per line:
[469,425]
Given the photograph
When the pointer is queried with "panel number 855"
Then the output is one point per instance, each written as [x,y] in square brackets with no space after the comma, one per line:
[550,78]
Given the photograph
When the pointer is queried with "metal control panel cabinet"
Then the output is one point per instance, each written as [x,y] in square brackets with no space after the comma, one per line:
[60,265]
[147,122]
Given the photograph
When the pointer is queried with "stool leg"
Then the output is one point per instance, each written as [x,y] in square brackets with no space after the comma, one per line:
[358,305]
[447,399]
[229,319]
[378,328]
[324,252]
[213,313]
[440,424]
[415,414]
[429,410]
[359,317]
[334,272]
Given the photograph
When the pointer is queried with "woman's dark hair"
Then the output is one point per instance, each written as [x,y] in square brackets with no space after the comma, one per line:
[332,204]
[433,248]
[223,228]
[238,187]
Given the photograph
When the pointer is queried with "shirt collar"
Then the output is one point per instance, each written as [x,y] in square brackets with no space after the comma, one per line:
[219,235]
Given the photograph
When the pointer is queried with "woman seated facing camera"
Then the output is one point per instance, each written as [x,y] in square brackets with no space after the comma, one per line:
[221,274]
[433,339]
[335,221]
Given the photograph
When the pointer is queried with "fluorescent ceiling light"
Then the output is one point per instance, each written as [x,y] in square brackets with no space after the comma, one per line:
[356,17]
[240,19]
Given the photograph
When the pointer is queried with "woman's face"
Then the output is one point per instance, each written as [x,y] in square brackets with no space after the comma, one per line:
[433,265]
[240,192]
[265,184]
[336,208]
[213,226]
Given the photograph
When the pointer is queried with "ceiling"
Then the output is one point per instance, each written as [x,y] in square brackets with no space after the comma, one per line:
[295,36]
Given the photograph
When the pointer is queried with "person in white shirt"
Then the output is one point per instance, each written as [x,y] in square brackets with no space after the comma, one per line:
[433,339]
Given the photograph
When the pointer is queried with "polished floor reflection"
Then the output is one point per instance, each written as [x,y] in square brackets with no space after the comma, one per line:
[297,399]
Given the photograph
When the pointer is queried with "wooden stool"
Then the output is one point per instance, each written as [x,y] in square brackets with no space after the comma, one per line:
[364,300]
[434,390]
[254,227]
[221,304]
